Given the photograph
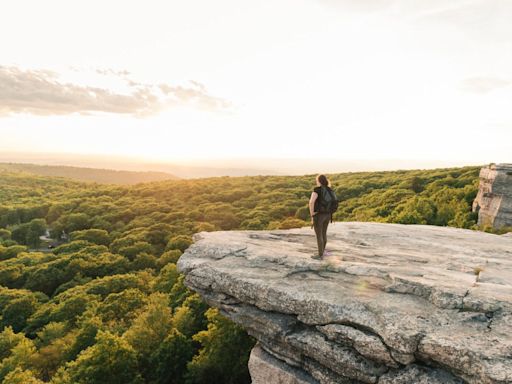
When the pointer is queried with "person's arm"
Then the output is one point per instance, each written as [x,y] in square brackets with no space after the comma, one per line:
[312,200]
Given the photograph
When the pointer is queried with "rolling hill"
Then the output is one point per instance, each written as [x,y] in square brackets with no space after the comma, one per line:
[97,175]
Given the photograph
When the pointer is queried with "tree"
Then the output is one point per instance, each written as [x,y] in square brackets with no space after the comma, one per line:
[166,278]
[117,256]
[110,360]
[16,313]
[167,257]
[169,361]
[291,222]
[144,261]
[120,308]
[88,327]
[96,236]
[20,376]
[302,213]
[11,252]
[75,222]
[224,354]
[19,233]
[4,234]
[180,242]
[204,226]
[8,340]
[36,228]
[20,356]
[53,354]
[189,318]
[152,325]
[131,251]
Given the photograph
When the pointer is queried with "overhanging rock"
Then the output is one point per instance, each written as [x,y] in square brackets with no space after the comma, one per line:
[391,304]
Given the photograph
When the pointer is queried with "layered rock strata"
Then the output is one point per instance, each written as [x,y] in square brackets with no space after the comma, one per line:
[390,304]
[494,199]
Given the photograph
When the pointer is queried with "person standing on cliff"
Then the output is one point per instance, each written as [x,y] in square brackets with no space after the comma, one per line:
[321,206]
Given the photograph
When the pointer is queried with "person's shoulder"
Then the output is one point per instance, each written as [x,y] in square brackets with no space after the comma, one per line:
[317,189]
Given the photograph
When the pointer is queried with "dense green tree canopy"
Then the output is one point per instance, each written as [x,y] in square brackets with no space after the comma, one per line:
[102,301]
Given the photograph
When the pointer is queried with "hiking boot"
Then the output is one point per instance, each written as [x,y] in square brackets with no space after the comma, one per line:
[316,257]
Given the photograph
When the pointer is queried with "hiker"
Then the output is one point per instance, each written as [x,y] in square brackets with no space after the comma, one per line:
[322,204]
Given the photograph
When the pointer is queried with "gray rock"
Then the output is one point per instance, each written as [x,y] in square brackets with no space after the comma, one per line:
[418,375]
[392,304]
[264,369]
[494,199]
[365,343]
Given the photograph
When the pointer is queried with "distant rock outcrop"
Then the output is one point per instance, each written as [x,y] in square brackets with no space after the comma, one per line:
[391,304]
[494,199]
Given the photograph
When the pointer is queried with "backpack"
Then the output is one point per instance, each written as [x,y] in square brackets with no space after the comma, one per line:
[328,203]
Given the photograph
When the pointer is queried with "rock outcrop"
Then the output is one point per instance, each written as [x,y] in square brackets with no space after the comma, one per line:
[494,199]
[391,303]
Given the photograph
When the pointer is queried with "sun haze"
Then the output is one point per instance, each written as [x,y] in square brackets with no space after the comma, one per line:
[201,80]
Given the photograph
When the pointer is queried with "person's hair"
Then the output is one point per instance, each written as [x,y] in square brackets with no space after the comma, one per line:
[323,180]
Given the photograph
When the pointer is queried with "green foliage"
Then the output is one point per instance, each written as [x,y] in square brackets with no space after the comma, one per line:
[108,176]
[108,304]
[4,234]
[96,236]
[88,327]
[189,318]
[152,325]
[28,233]
[289,222]
[119,309]
[110,360]
[180,242]
[170,360]
[8,340]
[167,257]
[11,252]
[16,313]
[53,353]
[224,354]
[131,251]
[20,355]
[20,376]
[73,222]
[71,247]
[166,278]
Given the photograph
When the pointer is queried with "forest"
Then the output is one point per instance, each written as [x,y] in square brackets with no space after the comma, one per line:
[89,290]
[98,175]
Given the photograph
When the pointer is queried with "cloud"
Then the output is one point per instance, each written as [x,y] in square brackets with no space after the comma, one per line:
[195,95]
[484,84]
[109,71]
[40,92]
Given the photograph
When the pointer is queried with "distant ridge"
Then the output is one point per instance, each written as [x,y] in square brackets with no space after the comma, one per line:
[98,175]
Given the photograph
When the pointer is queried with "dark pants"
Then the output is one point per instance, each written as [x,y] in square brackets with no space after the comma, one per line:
[320,222]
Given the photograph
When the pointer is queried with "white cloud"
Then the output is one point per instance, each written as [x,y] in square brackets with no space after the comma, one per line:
[39,92]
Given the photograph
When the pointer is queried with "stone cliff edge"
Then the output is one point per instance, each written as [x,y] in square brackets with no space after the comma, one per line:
[391,303]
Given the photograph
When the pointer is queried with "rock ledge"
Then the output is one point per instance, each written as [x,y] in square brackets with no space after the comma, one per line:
[494,199]
[391,303]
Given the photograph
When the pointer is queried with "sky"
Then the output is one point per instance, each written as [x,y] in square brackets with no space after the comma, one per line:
[185,81]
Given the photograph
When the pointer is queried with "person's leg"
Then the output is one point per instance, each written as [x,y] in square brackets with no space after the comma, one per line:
[318,232]
[325,224]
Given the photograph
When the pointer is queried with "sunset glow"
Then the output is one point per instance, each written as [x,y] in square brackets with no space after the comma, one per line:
[178,81]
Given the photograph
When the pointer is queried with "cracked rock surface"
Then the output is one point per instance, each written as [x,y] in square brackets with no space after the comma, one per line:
[391,303]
